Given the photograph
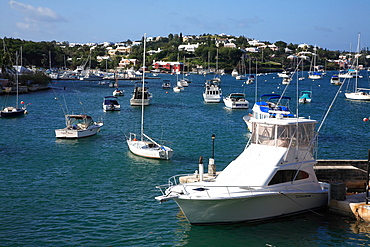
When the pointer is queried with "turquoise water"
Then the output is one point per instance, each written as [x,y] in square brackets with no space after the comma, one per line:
[94,192]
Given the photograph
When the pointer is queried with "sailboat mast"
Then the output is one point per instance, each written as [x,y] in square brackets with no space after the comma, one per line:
[16,76]
[255,91]
[142,92]
[357,56]
[217,61]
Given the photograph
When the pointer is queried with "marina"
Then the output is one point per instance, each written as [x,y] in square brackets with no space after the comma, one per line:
[94,191]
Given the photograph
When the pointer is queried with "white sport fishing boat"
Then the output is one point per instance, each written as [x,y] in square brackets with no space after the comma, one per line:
[141,95]
[78,126]
[272,177]
[212,92]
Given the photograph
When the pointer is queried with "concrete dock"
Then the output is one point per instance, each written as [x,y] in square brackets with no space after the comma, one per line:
[353,206]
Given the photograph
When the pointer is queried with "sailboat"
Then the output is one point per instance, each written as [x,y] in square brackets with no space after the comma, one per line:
[117,92]
[11,111]
[146,146]
[251,77]
[242,75]
[359,93]
[314,74]
[184,82]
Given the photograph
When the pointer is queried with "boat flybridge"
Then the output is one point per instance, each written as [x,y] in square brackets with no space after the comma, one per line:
[272,177]
[269,106]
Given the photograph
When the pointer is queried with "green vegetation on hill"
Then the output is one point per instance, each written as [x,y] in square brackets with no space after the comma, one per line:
[54,54]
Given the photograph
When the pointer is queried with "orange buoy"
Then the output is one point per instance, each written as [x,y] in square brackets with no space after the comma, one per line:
[365,119]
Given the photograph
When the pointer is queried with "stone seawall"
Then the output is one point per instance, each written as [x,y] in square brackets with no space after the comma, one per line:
[350,172]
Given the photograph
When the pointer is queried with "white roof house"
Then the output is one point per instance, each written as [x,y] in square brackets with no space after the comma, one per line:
[188,47]
[151,52]
[230,45]
[304,46]
[251,49]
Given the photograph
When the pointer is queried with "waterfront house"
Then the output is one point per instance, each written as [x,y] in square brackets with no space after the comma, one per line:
[168,66]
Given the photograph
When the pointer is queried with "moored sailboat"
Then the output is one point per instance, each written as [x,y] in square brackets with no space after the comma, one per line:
[146,146]
[358,93]
[14,111]
[314,73]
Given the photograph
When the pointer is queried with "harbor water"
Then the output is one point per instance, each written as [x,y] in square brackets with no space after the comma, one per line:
[94,192]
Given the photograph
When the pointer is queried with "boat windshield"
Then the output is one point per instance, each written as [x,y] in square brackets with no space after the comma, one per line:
[78,121]
[291,135]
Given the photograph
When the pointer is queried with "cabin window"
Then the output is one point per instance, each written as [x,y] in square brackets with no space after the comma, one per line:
[263,134]
[283,176]
[283,135]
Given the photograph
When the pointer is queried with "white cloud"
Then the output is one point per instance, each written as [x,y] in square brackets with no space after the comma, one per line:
[22,25]
[36,14]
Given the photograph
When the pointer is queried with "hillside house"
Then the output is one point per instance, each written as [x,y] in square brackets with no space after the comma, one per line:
[168,66]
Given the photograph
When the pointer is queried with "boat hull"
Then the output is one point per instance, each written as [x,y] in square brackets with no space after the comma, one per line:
[251,208]
[314,77]
[111,107]
[212,99]
[68,133]
[138,102]
[358,96]
[236,105]
[13,113]
[143,149]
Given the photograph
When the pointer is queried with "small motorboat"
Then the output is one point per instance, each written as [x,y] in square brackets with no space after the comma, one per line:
[306,97]
[78,126]
[236,101]
[166,84]
[110,103]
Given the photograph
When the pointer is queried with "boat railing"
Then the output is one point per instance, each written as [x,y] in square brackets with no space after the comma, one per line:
[232,191]
[229,190]
[172,181]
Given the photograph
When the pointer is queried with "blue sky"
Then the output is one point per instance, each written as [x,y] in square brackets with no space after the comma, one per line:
[330,24]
